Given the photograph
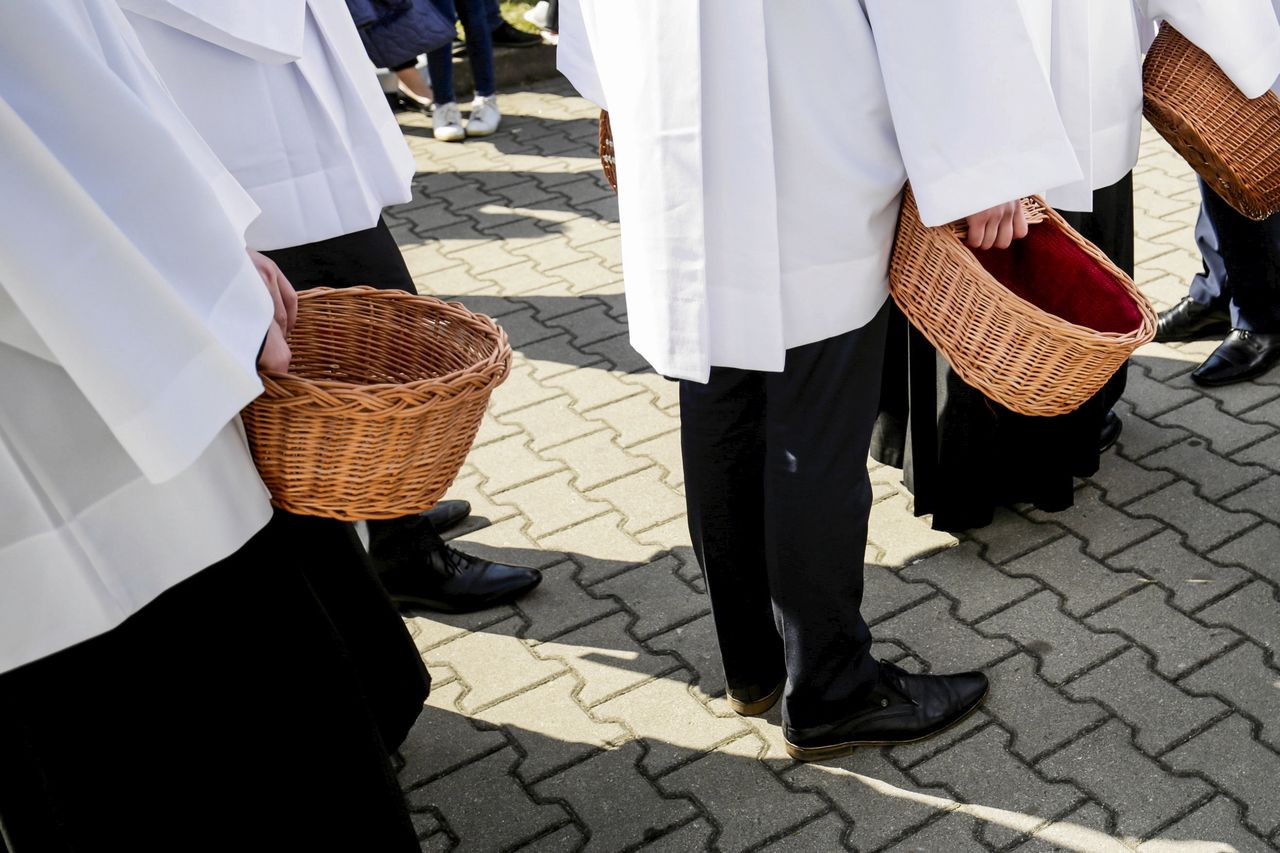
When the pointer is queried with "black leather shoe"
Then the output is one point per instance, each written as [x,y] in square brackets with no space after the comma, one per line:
[1112,426]
[901,708]
[505,35]
[1191,321]
[1241,356]
[447,514]
[450,581]
[755,699]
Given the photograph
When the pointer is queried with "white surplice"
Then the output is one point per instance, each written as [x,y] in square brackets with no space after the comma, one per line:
[130,321]
[285,94]
[762,147]
[1092,52]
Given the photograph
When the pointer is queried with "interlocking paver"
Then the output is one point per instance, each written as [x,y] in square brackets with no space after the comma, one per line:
[1141,436]
[1083,582]
[1259,550]
[552,422]
[1219,820]
[1064,646]
[1224,432]
[1261,499]
[886,591]
[695,835]
[901,537]
[494,663]
[1228,755]
[610,795]
[1122,481]
[1205,524]
[1251,611]
[966,578]
[1105,763]
[1177,641]
[1192,579]
[1212,475]
[1158,711]
[1243,678]
[1010,535]
[1039,716]
[1103,528]
[658,594]
[644,498]
[949,645]
[552,504]
[605,658]
[636,419]
[560,604]
[442,739]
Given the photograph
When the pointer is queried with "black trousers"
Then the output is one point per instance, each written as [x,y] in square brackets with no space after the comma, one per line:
[227,714]
[778,497]
[1241,265]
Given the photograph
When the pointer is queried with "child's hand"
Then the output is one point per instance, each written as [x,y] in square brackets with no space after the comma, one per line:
[996,227]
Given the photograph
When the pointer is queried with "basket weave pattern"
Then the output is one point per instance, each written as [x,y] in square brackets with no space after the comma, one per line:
[1027,360]
[607,160]
[383,400]
[1231,141]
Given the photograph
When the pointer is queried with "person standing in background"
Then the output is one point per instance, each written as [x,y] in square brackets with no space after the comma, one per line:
[446,118]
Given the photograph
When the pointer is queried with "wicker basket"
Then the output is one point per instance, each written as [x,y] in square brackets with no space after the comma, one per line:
[607,161]
[384,398]
[1232,141]
[1022,355]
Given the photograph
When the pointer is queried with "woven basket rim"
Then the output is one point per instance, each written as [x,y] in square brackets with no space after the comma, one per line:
[301,384]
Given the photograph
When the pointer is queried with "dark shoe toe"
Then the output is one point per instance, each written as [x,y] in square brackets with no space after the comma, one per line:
[1112,426]
[1241,356]
[447,514]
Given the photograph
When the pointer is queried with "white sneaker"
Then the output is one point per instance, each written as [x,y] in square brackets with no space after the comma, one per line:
[538,14]
[446,123]
[485,116]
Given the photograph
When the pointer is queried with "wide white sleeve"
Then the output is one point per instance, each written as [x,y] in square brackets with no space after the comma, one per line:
[575,58]
[269,31]
[114,249]
[1242,36]
[975,117]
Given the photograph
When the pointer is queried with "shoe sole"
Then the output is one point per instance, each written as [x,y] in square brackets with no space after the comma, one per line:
[410,602]
[1239,377]
[1206,334]
[758,707]
[449,137]
[481,133]
[839,750]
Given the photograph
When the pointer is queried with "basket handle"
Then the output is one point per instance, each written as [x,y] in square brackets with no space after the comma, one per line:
[1033,210]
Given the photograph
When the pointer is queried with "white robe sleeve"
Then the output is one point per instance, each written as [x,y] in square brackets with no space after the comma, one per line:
[269,31]
[156,318]
[1242,36]
[574,56]
[974,114]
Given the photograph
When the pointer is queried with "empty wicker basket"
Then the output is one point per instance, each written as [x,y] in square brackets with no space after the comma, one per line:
[1231,141]
[1038,327]
[382,403]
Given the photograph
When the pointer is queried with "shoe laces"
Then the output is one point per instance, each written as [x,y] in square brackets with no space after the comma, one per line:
[455,561]
[446,114]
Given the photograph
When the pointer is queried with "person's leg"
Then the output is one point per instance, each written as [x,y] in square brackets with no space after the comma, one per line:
[1205,313]
[440,60]
[475,26]
[722,444]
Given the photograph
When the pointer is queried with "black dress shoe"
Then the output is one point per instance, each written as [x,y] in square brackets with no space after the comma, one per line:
[505,35]
[1112,426]
[1241,356]
[1191,321]
[752,700]
[447,514]
[901,708]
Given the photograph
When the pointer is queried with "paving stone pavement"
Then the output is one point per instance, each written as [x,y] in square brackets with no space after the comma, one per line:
[1133,641]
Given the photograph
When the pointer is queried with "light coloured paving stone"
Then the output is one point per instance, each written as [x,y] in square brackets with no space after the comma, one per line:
[424,261]
[588,275]
[636,419]
[559,604]
[1258,550]
[1039,717]
[1176,641]
[952,832]
[695,835]
[556,357]
[593,389]
[675,726]
[1228,755]
[551,423]
[1251,611]
[551,504]
[1084,583]
[1158,711]
[901,537]
[1212,475]
[643,498]
[1142,437]
[521,389]
[552,729]
[523,329]
[1205,524]
[1103,528]
[484,806]
[491,430]
[1260,499]
[657,595]
[520,279]
[1011,535]
[967,579]
[1142,795]
[442,739]
[1005,783]
[590,323]
[1122,481]
[506,542]
[930,631]
[880,800]
[586,231]
[742,796]
[1225,433]
[1163,362]
[494,664]
[1192,579]
[1215,827]
[1243,678]
[606,659]
[483,511]
[665,391]
[601,548]
[507,463]
[1264,453]
[429,630]
[1063,645]
[1083,829]
[885,592]
[632,811]
[596,459]
[666,452]
[479,257]
[819,835]
[696,644]
[551,255]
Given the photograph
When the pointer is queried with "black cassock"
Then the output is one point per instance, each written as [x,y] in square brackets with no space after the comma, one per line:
[963,454]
